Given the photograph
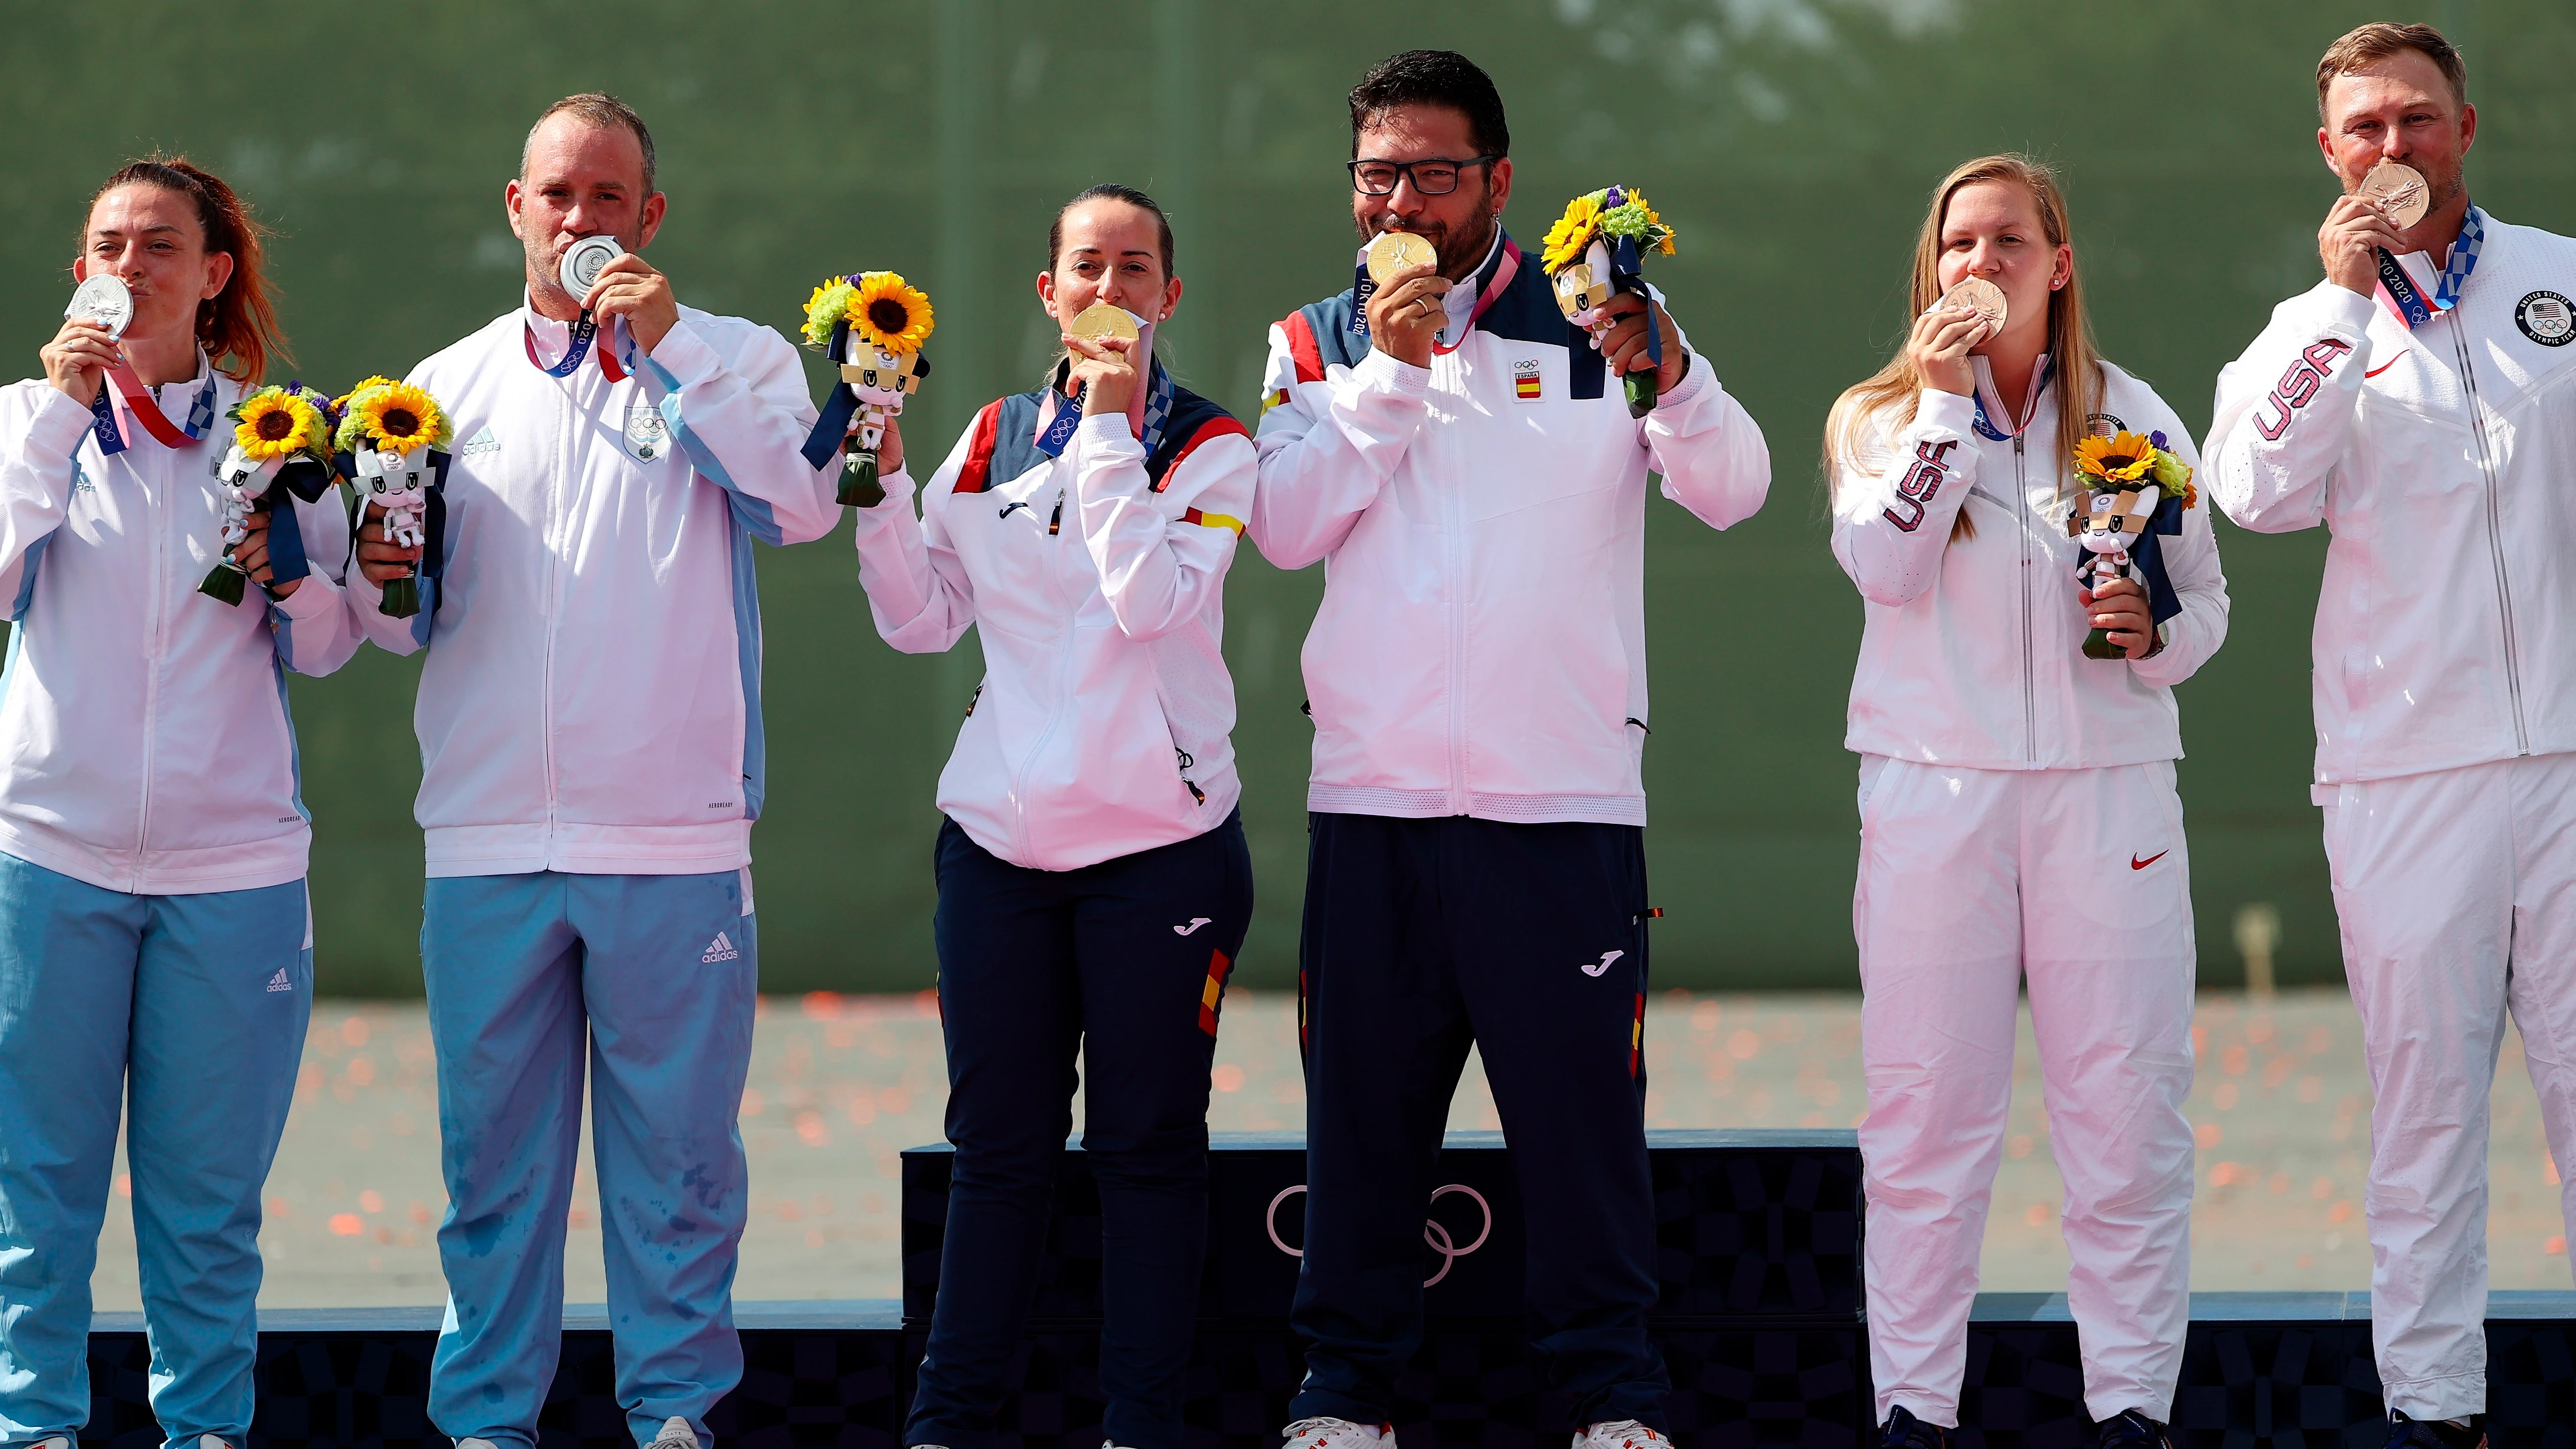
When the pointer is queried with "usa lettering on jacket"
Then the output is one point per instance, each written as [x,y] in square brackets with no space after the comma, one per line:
[2443,461]
[1972,644]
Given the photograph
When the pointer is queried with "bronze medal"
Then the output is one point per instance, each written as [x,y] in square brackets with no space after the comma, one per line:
[2399,191]
[1976,294]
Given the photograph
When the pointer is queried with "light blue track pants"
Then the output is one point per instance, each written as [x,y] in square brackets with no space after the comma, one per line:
[188,1012]
[654,975]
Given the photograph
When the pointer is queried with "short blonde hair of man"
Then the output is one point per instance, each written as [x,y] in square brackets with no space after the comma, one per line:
[2366,46]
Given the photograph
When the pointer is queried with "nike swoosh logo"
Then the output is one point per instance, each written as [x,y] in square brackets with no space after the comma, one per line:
[2137,864]
[1195,923]
[2392,362]
[1595,968]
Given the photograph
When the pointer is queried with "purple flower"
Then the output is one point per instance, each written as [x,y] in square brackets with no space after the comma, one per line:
[2157,438]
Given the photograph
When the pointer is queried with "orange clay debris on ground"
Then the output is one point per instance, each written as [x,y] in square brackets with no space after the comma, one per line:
[840,1085]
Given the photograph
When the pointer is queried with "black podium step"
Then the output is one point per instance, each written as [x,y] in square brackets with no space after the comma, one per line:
[2260,1371]
[1750,1224]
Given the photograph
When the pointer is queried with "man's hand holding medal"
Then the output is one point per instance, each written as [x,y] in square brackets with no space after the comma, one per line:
[1406,312]
[627,286]
[2372,221]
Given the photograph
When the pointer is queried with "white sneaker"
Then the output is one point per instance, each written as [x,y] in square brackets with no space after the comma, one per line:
[676,1434]
[476,1444]
[204,1441]
[1337,1434]
[56,1442]
[1621,1434]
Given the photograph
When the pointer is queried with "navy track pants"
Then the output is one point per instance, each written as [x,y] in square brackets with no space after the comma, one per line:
[1423,937]
[1125,962]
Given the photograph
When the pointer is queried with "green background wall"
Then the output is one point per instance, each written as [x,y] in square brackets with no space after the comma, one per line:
[1792,141]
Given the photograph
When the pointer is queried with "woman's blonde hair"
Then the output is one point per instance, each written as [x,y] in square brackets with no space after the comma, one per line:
[1888,396]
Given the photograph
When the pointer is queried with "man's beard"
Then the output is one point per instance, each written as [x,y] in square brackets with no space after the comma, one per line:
[1459,251]
[2443,190]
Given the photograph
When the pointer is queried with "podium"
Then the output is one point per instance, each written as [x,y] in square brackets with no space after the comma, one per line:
[1758,1314]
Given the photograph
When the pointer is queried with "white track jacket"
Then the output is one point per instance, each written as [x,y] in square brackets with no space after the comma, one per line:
[591,700]
[148,747]
[2444,461]
[1481,646]
[1102,726]
[1972,648]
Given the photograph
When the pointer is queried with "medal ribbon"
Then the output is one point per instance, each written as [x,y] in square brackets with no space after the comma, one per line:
[147,411]
[2399,292]
[1056,430]
[582,333]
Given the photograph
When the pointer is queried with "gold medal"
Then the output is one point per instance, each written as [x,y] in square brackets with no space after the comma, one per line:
[1393,251]
[1976,294]
[1103,320]
[2399,191]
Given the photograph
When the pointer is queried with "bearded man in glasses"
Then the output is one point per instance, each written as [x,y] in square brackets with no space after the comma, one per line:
[1467,461]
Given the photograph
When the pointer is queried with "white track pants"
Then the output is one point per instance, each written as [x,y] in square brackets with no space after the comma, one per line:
[1970,880]
[2457,893]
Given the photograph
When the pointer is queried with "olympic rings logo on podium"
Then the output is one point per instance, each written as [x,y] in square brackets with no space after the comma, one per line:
[1433,1231]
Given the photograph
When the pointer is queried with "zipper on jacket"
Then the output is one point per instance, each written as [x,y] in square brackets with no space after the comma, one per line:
[2029,663]
[161,514]
[2495,534]
[1452,507]
[1050,564]
[554,601]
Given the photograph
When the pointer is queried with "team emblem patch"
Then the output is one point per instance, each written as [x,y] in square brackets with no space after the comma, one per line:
[1525,383]
[2546,318]
[647,436]
[2104,425]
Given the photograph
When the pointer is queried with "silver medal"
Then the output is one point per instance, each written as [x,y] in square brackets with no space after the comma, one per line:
[105,301]
[585,260]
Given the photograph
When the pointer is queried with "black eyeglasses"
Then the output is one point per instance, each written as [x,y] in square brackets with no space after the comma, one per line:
[1431,176]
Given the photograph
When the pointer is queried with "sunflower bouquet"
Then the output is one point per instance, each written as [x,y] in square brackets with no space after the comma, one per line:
[1596,251]
[396,437]
[2132,489]
[873,324]
[280,435]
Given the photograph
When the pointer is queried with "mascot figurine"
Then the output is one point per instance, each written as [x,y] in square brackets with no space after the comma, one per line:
[872,324]
[281,435]
[2132,493]
[393,443]
[1597,251]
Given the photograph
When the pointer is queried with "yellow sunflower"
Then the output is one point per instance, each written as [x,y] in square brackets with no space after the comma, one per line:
[340,404]
[890,313]
[2124,458]
[1572,233]
[399,418]
[277,424]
